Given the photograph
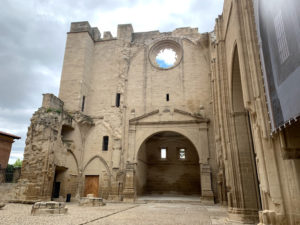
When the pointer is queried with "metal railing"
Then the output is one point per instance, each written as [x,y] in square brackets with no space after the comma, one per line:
[10,175]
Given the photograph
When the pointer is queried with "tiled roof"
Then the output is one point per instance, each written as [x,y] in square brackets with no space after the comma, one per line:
[9,135]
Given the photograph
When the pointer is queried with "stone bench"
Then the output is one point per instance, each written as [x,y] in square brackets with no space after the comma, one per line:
[41,208]
[90,200]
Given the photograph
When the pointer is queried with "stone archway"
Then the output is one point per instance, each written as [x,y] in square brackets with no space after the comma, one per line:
[193,127]
[167,164]
[96,177]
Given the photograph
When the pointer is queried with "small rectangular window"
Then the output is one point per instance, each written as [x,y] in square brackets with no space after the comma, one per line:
[163,153]
[105,143]
[182,153]
[118,97]
[167,97]
[83,102]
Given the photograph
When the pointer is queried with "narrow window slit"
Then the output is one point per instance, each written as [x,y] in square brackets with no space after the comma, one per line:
[118,98]
[105,143]
[83,102]
[163,153]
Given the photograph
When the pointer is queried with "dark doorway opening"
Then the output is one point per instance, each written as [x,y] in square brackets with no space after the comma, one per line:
[58,182]
[56,190]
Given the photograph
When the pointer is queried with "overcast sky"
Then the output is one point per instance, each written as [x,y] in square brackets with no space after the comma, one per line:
[33,36]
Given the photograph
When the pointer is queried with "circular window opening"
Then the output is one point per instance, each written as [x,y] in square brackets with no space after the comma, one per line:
[165,54]
[166,58]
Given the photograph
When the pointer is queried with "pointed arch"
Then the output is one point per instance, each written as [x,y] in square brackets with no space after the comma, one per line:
[242,143]
[101,160]
[75,159]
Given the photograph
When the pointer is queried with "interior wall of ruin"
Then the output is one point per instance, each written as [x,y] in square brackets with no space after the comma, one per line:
[172,175]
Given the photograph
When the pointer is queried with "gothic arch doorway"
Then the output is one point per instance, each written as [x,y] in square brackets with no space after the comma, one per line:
[167,164]
[244,168]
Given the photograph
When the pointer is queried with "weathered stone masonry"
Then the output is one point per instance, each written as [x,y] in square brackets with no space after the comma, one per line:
[210,103]
[65,137]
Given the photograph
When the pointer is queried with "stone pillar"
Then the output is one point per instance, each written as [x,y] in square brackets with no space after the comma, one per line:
[205,172]
[207,194]
[116,160]
[80,187]
[129,188]
[116,154]
[115,184]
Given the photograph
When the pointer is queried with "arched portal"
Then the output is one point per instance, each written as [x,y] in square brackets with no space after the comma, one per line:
[96,176]
[167,164]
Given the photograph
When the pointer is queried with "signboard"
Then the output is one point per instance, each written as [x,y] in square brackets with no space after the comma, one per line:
[278,28]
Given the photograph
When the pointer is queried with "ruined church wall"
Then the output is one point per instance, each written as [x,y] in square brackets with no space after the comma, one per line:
[143,89]
[188,84]
[95,70]
[278,173]
[91,70]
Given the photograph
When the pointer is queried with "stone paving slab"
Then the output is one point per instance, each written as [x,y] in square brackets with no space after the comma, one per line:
[120,214]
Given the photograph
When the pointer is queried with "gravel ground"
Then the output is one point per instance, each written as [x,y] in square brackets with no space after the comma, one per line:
[121,214]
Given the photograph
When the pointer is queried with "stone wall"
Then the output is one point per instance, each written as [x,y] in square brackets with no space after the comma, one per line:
[235,54]
[46,150]
[8,189]
[97,69]
[172,175]
[216,101]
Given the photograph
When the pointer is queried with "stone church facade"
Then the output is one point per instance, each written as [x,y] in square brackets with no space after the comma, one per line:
[123,127]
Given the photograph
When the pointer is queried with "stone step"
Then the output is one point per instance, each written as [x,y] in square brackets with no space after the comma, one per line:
[163,199]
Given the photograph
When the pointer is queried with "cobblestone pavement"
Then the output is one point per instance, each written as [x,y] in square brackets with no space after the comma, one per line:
[121,214]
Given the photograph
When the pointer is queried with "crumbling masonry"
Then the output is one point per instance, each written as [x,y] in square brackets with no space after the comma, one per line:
[118,112]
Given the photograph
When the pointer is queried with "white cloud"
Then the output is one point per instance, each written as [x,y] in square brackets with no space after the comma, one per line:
[33,36]
[168,56]
[14,156]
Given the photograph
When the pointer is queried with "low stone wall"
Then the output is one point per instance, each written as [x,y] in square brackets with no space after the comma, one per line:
[7,191]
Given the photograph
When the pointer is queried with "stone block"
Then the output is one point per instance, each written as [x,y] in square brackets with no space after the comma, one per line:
[107,35]
[44,208]
[90,200]
[80,27]
[125,32]
[50,101]
[84,26]
[96,34]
